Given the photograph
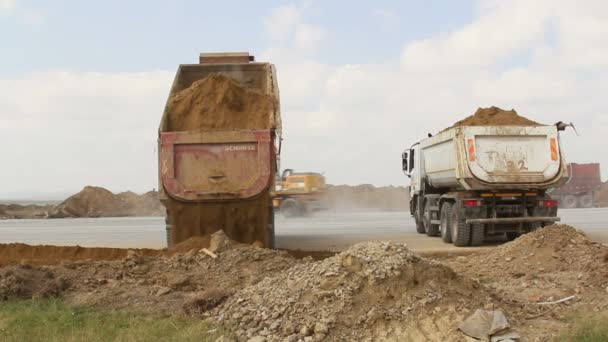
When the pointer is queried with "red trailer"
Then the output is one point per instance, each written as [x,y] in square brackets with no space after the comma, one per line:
[579,192]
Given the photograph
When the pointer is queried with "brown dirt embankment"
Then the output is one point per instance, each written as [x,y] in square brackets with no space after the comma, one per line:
[95,201]
[371,291]
[494,116]
[14,253]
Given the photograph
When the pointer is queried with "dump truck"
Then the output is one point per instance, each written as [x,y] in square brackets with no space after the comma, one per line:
[218,149]
[582,187]
[472,182]
[299,193]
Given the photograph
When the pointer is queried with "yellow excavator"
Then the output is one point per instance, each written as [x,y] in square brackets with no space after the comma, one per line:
[298,194]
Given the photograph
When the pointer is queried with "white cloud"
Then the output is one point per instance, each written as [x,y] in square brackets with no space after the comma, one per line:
[62,130]
[285,24]
[7,5]
[282,22]
[546,61]
[307,37]
[351,121]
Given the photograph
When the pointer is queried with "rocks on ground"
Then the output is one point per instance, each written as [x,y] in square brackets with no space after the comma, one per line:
[372,291]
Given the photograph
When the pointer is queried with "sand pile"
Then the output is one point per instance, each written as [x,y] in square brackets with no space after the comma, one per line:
[548,264]
[95,201]
[218,103]
[367,196]
[372,291]
[89,202]
[495,116]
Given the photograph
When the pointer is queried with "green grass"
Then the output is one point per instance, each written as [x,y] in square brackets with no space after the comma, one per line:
[587,328]
[53,320]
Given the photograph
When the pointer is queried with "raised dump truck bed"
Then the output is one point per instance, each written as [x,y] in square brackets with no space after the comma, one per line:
[217,162]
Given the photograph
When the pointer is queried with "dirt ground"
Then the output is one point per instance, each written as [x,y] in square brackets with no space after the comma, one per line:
[373,291]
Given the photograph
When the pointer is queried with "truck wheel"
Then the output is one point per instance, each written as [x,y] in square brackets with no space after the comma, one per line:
[290,208]
[512,235]
[533,226]
[585,201]
[461,232]
[478,232]
[168,230]
[569,202]
[431,229]
[419,226]
[272,237]
[446,226]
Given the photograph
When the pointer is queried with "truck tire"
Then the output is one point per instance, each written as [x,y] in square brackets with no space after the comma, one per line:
[461,232]
[569,201]
[290,208]
[585,201]
[478,232]
[512,235]
[419,226]
[168,230]
[446,226]
[431,229]
[272,237]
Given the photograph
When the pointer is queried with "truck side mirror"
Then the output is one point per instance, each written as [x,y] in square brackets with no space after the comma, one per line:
[404,160]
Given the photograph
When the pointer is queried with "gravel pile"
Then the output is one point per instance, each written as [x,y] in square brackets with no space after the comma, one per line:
[371,291]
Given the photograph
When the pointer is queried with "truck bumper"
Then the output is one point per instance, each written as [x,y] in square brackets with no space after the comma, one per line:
[507,220]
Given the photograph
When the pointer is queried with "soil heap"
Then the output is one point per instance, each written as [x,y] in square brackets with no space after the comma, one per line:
[191,282]
[546,265]
[218,102]
[95,201]
[495,116]
[372,291]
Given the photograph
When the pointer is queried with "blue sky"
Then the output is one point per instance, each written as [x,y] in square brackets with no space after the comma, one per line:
[84,83]
[129,36]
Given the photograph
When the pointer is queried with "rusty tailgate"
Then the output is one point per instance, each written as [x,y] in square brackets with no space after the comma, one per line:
[212,166]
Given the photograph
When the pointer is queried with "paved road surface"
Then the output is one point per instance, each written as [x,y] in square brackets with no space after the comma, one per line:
[336,231]
[324,231]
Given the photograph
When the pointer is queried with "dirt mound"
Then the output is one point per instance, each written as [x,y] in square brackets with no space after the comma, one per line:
[99,202]
[26,282]
[367,196]
[89,202]
[495,116]
[548,264]
[14,253]
[372,291]
[191,282]
[218,103]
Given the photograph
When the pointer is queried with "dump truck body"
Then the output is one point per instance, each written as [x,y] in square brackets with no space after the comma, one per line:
[220,176]
[299,193]
[581,189]
[469,182]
